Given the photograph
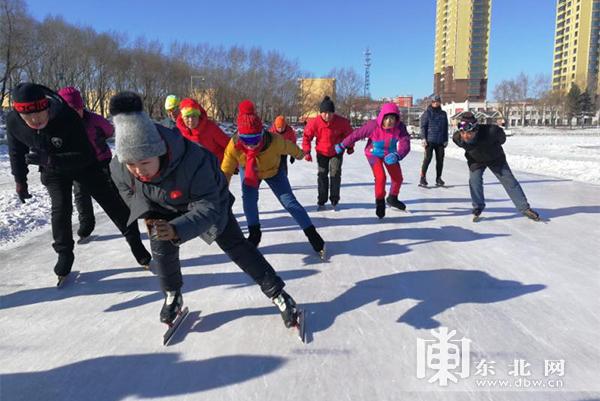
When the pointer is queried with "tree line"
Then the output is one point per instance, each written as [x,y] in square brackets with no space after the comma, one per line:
[56,53]
[576,104]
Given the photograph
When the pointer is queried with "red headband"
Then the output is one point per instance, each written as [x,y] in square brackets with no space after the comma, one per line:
[31,107]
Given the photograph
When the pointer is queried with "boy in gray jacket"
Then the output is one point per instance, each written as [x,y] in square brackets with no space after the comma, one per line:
[180,191]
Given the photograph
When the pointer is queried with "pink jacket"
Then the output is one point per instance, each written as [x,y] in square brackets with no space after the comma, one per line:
[98,129]
[382,141]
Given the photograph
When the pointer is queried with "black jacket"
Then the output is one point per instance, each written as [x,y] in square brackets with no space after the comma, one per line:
[63,143]
[434,126]
[486,149]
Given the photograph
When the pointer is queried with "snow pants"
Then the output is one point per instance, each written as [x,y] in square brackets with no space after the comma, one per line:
[234,244]
[377,165]
[329,173]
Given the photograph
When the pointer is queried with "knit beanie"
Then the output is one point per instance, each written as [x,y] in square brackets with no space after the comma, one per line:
[279,122]
[29,98]
[247,121]
[171,102]
[327,105]
[190,107]
[136,136]
[72,96]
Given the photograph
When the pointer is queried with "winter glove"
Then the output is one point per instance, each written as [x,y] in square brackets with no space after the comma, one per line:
[350,151]
[23,192]
[424,143]
[445,143]
[161,230]
[391,158]
[339,148]
[292,160]
[38,159]
[308,157]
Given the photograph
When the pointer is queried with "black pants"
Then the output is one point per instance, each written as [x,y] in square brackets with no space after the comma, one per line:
[439,159]
[330,172]
[93,180]
[85,208]
[234,244]
[83,202]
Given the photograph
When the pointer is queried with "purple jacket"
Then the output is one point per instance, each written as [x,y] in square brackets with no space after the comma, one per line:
[382,141]
[99,129]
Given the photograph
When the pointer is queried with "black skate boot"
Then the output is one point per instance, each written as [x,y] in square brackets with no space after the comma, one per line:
[142,256]
[393,201]
[320,207]
[287,307]
[315,240]
[532,214]
[254,234]
[63,266]
[380,208]
[439,182]
[423,181]
[171,307]
[85,230]
[476,214]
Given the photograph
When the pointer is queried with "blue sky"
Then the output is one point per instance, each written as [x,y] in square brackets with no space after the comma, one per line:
[325,34]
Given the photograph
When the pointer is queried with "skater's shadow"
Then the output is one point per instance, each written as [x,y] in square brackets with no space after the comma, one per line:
[144,376]
[384,243]
[98,282]
[436,291]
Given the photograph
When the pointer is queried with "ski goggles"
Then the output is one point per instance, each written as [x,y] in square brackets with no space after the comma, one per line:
[467,126]
[250,139]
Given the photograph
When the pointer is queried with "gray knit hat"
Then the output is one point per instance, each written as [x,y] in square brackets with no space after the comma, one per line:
[136,136]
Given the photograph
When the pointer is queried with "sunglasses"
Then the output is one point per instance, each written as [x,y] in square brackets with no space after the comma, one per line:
[250,139]
[467,126]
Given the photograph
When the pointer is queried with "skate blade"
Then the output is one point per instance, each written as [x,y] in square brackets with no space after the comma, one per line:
[64,280]
[300,325]
[175,325]
[85,240]
[477,219]
[323,253]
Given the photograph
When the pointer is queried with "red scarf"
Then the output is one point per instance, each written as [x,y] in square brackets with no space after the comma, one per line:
[251,172]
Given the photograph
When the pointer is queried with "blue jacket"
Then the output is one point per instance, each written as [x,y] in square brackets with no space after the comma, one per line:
[434,126]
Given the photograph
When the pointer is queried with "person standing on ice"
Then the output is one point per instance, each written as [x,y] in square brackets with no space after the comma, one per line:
[98,131]
[329,129]
[43,130]
[194,124]
[258,156]
[483,149]
[180,191]
[434,134]
[388,143]
[281,127]
[172,110]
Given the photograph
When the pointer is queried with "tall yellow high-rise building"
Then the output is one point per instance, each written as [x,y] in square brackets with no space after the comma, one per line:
[577,45]
[462,36]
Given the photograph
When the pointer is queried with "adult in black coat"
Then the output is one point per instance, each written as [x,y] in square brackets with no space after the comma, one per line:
[483,149]
[42,130]
[434,133]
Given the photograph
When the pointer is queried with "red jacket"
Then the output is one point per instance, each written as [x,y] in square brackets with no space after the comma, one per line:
[327,134]
[288,134]
[207,133]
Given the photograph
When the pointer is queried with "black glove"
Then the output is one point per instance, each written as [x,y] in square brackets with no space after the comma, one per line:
[23,192]
[292,160]
[37,158]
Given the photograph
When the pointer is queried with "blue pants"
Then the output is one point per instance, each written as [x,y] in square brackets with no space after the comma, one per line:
[508,181]
[280,186]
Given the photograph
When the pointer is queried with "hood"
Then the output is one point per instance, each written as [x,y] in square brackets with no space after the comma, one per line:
[388,108]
